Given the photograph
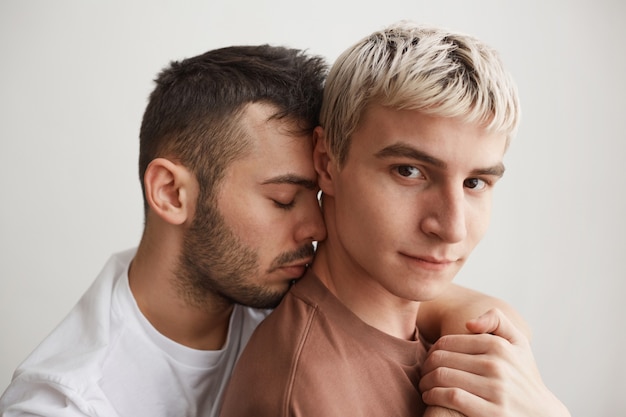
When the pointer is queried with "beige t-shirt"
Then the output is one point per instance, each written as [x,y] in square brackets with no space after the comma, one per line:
[313,357]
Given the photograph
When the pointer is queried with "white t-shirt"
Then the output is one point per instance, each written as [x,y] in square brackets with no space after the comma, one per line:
[106,359]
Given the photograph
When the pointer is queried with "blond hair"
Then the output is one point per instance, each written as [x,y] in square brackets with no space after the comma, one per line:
[407,66]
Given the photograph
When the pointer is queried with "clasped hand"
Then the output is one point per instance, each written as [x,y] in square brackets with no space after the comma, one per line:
[491,372]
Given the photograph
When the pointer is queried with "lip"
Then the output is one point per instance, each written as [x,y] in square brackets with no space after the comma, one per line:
[296,270]
[430,263]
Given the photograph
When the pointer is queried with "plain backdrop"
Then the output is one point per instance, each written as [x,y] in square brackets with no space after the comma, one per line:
[75,77]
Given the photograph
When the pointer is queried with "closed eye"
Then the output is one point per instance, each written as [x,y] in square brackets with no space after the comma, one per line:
[284,206]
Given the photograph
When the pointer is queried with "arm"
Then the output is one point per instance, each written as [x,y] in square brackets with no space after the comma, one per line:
[33,397]
[491,372]
[448,313]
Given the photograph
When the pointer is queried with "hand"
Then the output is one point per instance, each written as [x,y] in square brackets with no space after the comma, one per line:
[489,373]
[434,411]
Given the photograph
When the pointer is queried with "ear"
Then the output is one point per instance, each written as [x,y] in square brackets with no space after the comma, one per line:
[323,161]
[171,190]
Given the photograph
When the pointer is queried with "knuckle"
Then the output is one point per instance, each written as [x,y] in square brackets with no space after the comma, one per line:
[451,397]
[455,397]
[441,343]
[499,346]
[497,311]
[437,356]
[439,376]
[489,365]
[493,368]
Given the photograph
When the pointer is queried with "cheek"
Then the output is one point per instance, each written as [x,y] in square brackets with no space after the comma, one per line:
[246,217]
[364,216]
[478,220]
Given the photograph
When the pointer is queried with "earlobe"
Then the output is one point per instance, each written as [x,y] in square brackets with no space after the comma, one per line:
[322,161]
[169,190]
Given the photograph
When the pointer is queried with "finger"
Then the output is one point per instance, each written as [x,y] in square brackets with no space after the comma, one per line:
[471,344]
[475,364]
[495,322]
[475,384]
[458,400]
[435,411]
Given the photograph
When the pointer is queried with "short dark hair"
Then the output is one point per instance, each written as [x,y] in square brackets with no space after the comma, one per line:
[192,115]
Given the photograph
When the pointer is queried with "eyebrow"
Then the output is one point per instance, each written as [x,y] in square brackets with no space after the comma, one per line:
[406,151]
[292,179]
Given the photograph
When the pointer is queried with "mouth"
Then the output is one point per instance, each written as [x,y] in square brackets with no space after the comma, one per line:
[297,269]
[430,263]
[293,272]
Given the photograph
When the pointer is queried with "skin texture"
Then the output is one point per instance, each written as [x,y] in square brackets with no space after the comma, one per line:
[267,219]
[492,372]
[260,237]
[405,211]
[449,313]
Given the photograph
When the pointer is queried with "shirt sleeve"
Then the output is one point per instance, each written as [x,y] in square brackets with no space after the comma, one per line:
[26,397]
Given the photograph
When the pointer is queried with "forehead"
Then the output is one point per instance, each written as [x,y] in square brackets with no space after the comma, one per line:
[275,147]
[447,139]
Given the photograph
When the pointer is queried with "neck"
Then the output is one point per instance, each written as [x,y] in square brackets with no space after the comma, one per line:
[365,297]
[154,287]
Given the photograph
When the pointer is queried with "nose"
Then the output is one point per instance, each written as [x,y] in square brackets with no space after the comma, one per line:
[311,227]
[445,216]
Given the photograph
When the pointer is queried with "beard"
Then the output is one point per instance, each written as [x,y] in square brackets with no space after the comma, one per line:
[216,268]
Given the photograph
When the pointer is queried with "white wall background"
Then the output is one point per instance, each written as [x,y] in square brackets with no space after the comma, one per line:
[75,75]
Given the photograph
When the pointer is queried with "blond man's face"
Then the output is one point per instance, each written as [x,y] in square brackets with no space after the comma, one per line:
[413,199]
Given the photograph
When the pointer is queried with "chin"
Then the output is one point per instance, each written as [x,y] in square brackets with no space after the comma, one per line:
[429,292]
[267,297]
[266,302]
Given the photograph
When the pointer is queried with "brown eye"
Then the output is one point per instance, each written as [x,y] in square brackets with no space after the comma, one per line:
[408,171]
[474,183]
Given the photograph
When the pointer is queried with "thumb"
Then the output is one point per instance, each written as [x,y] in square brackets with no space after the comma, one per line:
[495,322]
